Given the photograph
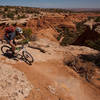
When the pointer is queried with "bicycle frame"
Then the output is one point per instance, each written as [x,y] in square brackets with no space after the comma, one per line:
[22,48]
[24,55]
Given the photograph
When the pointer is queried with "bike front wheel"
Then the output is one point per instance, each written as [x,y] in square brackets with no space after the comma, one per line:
[28,57]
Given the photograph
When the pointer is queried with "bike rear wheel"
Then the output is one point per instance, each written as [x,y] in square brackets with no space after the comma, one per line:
[5,49]
[28,57]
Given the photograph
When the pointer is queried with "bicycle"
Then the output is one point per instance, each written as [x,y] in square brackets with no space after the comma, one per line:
[21,53]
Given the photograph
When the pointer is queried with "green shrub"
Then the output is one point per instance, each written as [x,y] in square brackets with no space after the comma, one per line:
[93,44]
[67,41]
[1,12]
[21,16]
[97,19]
[16,11]
[4,16]
[68,35]
[90,17]
[6,9]
[25,41]
[10,15]
[36,12]
[56,10]
[80,27]
[27,33]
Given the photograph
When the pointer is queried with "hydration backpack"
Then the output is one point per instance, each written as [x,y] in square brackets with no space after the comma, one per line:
[9,29]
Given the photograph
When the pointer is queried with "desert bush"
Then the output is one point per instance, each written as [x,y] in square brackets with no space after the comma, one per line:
[90,17]
[6,9]
[24,24]
[93,44]
[10,15]
[68,35]
[59,30]
[56,10]
[97,19]
[27,33]
[80,27]
[14,24]
[16,11]
[4,16]
[21,16]
[1,12]
[36,11]
[66,41]
[30,11]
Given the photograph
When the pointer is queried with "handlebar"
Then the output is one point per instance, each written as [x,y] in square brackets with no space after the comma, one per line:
[25,41]
[22,44]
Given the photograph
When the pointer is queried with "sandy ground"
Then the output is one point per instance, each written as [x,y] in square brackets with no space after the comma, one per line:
[54,81]
[51,79]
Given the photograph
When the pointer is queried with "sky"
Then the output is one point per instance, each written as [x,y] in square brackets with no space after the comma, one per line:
[53,3]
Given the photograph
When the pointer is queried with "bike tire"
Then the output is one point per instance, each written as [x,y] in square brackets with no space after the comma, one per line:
[4,49]
[27,55]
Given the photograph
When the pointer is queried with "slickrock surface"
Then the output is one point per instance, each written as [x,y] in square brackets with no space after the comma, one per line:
[13,83]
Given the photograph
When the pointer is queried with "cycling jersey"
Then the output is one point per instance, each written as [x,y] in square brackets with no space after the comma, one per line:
[10,36]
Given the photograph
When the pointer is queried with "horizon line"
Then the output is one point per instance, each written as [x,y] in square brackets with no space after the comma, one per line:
[50,7]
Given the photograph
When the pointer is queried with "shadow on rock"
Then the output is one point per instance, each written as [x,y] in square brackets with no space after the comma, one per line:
[9,55]
[84,68]
[91,58]
[17,58]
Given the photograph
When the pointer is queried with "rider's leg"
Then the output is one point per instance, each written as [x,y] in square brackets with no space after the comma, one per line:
[12,45]
[6,38]
[14,42]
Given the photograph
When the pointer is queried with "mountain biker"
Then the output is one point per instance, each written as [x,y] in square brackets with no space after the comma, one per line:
[10,35]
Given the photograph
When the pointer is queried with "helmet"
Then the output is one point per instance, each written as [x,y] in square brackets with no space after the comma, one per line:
[19,30]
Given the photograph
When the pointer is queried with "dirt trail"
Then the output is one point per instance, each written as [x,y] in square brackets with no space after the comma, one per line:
[55,81]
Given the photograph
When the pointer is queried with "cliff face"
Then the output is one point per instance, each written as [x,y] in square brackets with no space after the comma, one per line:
[48,22]
[45,26]
[91,33]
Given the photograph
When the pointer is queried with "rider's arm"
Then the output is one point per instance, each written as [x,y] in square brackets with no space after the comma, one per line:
[6,34]
[22,36]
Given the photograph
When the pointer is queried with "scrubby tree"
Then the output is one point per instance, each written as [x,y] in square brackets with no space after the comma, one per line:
[93,44]
[10,15]
[27,33]
[97,19]
[6,9]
